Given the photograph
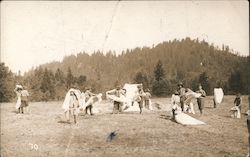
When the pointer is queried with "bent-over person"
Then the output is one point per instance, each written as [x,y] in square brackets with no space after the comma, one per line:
[117,105]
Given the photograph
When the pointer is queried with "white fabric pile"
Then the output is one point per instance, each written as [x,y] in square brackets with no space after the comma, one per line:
[218,95]
[185,119]
[236,112]
[129,100]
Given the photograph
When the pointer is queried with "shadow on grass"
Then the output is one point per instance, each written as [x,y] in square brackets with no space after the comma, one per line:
[209,107]
[167,117]
[64,122]
[15,112]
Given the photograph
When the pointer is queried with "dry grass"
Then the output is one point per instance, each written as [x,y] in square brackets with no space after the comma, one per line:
[149,134]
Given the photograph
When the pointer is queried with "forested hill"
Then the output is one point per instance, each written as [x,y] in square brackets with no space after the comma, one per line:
[159,68]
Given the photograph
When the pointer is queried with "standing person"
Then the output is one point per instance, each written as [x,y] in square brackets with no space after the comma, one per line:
[117,105]
[141,97]
[201,100]
[18,91]
[88,94]
[237,101]
[175,101]
[181,91]
[147,98]
[24,99]
[73,105]
[248,127]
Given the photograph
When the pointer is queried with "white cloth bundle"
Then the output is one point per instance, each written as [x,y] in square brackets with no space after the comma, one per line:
[66,102]
[185,119]
[236,111]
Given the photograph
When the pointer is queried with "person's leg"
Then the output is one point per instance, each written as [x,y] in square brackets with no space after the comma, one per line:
[68,116]
[115,109]
[147,104]
[140,106]
[90,110]
[199,105]
[215,104]
[86,110]
[74,118]
[120,108]
[182,104]
[22,109]
[173,112]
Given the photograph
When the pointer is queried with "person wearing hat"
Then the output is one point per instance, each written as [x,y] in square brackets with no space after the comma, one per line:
[181,90]
[147,98]
[88,94]
[117,92]
[201,100]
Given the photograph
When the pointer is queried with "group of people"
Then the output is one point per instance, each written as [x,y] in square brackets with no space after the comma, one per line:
[183,97]
[141,97]
[82,102]
[76,101]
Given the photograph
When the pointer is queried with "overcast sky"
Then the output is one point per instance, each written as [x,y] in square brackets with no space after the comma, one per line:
[34,32]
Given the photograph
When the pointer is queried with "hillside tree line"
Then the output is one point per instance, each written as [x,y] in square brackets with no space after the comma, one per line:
[159,68]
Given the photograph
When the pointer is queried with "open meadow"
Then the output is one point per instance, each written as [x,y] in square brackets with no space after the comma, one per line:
[43,132]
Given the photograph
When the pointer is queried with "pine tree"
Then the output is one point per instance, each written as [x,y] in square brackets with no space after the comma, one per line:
[235,83]
[160,84]
[159,71]
[141,78]
[69,78]
[59,77]
[6,84]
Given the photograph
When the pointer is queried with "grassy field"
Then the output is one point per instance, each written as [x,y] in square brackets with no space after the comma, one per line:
[43,133]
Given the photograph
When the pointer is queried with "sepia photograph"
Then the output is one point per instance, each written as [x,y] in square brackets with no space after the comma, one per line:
[124,78]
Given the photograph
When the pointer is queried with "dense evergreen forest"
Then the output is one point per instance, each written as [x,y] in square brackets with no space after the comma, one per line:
[159,68]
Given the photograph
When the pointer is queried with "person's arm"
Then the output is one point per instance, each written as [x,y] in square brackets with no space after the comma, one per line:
[92,94]
[111,91]
[203,93]
[235,101]
[149,95]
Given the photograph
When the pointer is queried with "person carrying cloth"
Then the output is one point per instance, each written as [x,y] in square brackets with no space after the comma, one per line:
[73,105]
[118,92]
[22,95]
[88,94]
[201,100]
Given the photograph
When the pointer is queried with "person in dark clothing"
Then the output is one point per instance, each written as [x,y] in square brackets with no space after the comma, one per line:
[201,100]
[141,96]
[237,101]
